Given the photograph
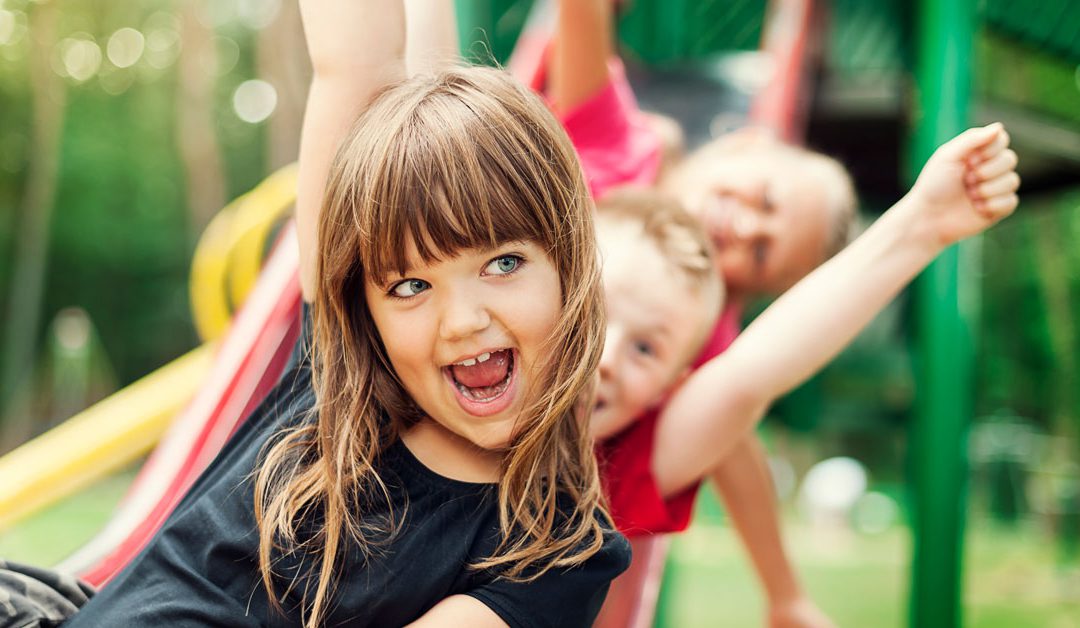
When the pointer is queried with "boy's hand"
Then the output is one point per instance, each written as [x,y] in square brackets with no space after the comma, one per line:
[798,613]
[968,184]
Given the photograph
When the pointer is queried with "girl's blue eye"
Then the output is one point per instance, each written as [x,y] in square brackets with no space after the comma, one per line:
[409,288]
[503,265]
[644,348]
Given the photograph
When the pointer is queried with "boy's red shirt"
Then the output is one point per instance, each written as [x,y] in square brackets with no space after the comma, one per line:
[625,461]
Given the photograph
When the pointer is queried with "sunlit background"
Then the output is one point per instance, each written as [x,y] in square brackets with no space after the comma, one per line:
[125,126]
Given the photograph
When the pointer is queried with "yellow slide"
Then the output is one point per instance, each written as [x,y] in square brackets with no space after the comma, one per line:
[118,430]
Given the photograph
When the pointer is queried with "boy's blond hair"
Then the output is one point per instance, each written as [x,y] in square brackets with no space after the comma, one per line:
[841,200]
[679,238]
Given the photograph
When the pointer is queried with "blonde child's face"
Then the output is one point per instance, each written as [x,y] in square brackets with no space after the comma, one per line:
[768,218]
[655,326]
[465,334]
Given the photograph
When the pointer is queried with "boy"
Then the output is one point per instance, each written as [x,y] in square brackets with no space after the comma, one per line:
[665,428]
[619,144]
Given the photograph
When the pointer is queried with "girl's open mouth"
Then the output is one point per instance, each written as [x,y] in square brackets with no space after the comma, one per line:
[484,385]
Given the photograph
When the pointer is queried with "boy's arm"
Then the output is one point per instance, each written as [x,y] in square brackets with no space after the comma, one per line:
[967,185]
[432,41]
[356,48]
[459,610]
[579,56]
[745,484]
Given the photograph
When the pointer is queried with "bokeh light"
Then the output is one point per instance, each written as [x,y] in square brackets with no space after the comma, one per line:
[162,40]
[227,55]
[7,26]
[257,14]
[254,101]
[125,47]
[80,56]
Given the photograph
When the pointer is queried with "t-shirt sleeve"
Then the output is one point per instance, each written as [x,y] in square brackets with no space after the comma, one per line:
[613,140]
[560,597]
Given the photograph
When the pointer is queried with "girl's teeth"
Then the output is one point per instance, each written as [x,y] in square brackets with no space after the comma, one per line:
[483,357]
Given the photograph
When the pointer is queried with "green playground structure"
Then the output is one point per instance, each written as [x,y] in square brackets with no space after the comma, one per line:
[863,53]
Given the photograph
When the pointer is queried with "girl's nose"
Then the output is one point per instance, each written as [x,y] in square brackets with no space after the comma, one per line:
[463,317]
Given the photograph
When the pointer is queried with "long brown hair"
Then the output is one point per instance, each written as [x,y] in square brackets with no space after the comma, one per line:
[465,159]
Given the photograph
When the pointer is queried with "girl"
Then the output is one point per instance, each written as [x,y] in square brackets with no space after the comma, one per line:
[427,460]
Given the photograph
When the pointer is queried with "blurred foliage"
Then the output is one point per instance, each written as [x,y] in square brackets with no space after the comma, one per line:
[122,235]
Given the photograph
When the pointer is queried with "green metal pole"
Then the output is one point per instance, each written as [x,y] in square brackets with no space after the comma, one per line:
[944,294]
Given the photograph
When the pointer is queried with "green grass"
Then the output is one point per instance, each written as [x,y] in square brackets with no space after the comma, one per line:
[1012,578]
[54,533]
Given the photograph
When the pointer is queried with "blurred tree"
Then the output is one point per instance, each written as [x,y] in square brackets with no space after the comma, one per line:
[196,133]
[282,61]
[36,209]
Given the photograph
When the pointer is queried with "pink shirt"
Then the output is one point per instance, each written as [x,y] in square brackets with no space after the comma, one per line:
[614,142]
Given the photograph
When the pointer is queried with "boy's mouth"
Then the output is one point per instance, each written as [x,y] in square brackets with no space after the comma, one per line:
[482,382]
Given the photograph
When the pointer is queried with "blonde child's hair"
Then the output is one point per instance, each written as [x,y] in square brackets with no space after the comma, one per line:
[840,199]
[463,159]
[680,239]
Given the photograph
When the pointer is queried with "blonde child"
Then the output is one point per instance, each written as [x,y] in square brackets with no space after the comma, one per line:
[665,426]
[428,462]
[619,144]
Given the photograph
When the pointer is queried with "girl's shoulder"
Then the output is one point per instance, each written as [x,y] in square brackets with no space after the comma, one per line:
[560,596]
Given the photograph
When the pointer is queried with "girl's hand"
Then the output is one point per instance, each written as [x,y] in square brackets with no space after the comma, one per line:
[349,37]
[968,184]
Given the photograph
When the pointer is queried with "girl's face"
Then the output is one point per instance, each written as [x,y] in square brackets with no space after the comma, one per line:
[466,334]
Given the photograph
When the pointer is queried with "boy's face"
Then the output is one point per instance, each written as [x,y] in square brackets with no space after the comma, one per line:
[768,218]
[655,326]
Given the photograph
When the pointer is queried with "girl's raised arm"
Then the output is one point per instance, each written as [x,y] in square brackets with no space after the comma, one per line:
[579,57]
[967,185]
[356,48]
[432,36]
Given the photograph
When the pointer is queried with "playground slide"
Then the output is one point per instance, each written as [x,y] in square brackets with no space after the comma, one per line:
[125,426]
[250,359]
[98,441]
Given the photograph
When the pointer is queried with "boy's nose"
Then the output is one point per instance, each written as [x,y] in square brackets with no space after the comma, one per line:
[463,317]
[746,224]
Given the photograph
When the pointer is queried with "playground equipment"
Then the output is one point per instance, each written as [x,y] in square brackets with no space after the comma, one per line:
[250,354]
[223,380]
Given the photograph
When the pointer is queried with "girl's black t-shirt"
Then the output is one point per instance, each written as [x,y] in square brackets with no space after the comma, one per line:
[201,569]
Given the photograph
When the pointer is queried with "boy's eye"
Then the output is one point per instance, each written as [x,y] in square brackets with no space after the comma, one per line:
[409,288]
[761,253]
[503,265]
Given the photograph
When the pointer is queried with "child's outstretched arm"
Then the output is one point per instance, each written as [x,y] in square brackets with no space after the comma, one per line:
[745,483]
[580,52]
[432,40]
[356,48]
[967,185]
